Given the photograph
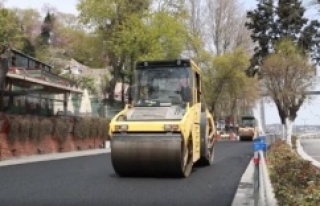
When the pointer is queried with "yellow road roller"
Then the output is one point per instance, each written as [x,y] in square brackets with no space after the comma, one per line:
[248,129]
[166,128]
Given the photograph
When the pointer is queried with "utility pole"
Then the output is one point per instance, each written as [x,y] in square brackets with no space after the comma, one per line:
[262,116]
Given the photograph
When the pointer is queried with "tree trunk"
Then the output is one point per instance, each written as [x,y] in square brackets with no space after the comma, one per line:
[289,124]
[283,132]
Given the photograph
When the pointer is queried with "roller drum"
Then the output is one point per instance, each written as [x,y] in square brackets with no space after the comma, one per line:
[147,154]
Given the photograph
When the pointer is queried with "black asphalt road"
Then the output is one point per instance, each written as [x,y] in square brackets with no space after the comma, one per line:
[92,181]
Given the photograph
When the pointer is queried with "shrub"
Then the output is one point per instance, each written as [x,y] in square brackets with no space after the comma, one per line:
[295,181]
[34,128]
[61,130]
[46,127]
[94,127]
[103,130]
[24,129]
[82,128]
[14,129]
[294,142]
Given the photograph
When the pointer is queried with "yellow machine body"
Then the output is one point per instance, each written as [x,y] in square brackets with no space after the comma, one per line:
[155,146]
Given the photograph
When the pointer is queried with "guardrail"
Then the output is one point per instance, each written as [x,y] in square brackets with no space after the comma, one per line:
[263,190]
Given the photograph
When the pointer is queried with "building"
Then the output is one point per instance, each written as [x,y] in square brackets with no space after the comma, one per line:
[32,89]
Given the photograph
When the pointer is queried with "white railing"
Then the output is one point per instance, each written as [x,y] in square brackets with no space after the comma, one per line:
[266,194]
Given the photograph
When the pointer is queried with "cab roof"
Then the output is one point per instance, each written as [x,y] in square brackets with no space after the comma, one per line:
[168,63]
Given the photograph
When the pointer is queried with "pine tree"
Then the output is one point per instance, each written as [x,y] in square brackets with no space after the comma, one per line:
[261,24]
[46,29]
[270,23]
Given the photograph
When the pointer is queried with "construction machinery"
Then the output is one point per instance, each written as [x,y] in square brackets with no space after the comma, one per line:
[166,128]
[248,128]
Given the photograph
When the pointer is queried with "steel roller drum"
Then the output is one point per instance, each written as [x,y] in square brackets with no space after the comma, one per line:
[147,154]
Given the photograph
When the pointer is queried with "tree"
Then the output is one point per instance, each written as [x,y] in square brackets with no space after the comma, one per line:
[30,22]
[45,37]
[10,29]
[129,32]
[5,53]
[270,23]
[225,84]
[87,82]
[287,76]
[225,30]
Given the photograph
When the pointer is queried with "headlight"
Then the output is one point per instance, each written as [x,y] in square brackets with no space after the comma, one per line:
[171,127]
[121,128]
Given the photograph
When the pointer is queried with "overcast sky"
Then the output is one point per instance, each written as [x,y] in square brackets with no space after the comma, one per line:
[310,111]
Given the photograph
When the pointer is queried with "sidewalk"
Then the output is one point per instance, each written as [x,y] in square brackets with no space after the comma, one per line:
[52,156]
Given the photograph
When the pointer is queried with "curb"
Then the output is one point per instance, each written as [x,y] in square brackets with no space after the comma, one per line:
[55,156]
[52,156]
[245,191]
[305,156]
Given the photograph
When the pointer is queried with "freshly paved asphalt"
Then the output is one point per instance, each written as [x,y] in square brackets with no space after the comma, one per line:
[91,181]
[311,147]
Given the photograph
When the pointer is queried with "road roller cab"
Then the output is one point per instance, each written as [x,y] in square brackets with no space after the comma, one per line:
[166,128]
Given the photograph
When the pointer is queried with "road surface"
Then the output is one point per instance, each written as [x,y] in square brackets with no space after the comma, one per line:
[91,181]
[311,147]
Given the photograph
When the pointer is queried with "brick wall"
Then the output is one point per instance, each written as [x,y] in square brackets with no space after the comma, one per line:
[47,145]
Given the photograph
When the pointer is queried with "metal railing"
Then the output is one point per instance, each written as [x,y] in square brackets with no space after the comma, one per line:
[266,194]
[263,190]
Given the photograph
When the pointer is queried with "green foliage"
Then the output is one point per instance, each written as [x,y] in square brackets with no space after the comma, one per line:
[85,48]
[87,82]
[287,76]
[296,182]
[61,130]
[269,25]
[28,48]
[10,29]
[29,19]
[127,32]
[225,81]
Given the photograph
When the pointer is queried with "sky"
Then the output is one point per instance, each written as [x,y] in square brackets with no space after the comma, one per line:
[310,110]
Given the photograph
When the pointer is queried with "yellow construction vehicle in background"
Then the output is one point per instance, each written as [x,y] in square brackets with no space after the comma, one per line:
[248,129]
[166,128]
